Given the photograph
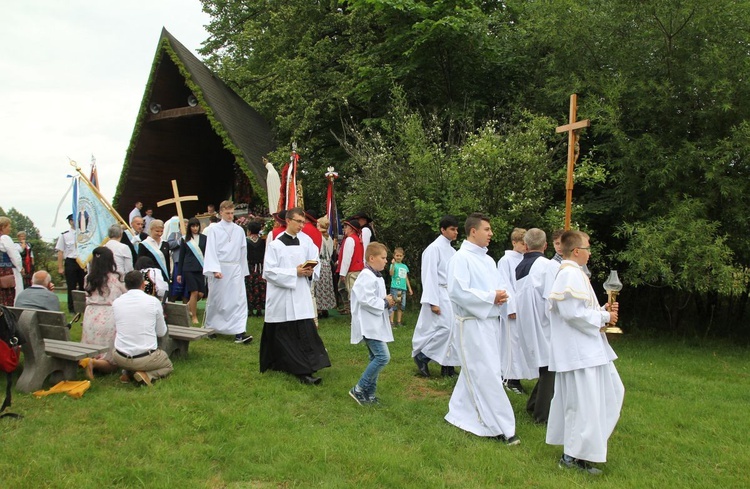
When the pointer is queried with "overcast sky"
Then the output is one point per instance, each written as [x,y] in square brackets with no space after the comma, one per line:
[72,75]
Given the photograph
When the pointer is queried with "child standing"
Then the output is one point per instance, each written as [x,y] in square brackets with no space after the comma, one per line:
[399,284]
[369,307]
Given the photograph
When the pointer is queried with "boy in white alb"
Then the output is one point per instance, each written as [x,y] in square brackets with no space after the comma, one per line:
[370,323]
[588,390]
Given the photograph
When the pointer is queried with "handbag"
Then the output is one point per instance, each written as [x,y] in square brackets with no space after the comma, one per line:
[10,341]
[8,281]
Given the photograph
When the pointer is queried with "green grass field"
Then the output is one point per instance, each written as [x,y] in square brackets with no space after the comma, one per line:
[218,423]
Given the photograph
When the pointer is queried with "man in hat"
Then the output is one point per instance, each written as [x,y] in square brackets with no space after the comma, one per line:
[67,263]
[365,226]
[290,341]
[351,259]
[311,229]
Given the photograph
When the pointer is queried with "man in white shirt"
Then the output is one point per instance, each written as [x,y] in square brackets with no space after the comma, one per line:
[433,338]
[123,257]
[136,212]
[139,320]
[588,390]
[67,262]
[479,403]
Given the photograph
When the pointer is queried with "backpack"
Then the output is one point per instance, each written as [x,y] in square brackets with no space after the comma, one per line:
[10,350]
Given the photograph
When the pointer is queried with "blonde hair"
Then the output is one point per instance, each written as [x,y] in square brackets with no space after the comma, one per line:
[323,221]
[4,221]
[157,223]
[399,249]
[227,204]
[375,249]
[517,235]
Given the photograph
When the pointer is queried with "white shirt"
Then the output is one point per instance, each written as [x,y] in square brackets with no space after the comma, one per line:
[347,252]
[369,309]
[66,243]
[139,320]
[366,237]
[123,257]
[288,295]
[136,212]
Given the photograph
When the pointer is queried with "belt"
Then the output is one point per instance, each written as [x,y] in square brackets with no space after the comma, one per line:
[74,259]
[140,355]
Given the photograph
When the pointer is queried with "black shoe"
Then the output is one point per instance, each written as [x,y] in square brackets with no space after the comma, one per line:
[514,385]
[568,462]
[309,379]
[422,362]
[448,371]
[243,339]
[512,441]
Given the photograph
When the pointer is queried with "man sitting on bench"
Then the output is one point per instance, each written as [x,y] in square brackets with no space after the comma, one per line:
[39,295]
[139,320]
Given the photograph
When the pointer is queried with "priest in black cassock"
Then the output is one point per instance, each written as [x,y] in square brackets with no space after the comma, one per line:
[290,341]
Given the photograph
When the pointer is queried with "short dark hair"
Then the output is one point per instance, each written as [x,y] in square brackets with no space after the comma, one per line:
[295,211]
[254,227]
[448,222]
[473,221]
[133,279]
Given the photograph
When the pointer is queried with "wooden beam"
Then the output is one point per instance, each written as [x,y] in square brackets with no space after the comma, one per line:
[175,113]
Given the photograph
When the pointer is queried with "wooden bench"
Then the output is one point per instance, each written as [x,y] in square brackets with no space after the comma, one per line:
[47,351]
[79,301]
[179,330]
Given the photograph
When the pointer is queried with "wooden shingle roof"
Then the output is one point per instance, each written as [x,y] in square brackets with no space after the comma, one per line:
[200,143]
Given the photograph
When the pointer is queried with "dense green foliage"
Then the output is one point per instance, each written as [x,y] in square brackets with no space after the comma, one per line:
[44,252]
[431,107]
[218,423]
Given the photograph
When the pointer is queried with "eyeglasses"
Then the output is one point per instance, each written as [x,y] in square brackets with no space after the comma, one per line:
[298,221]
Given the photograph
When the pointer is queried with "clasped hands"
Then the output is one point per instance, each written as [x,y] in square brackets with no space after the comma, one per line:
[501,297]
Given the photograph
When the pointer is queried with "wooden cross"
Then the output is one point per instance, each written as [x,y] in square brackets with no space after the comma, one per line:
[177,200]
[571,128]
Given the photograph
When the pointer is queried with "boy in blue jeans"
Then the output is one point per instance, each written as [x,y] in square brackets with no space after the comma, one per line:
[399,284]
[369,307]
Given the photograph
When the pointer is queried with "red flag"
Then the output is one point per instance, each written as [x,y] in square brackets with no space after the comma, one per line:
[334,226]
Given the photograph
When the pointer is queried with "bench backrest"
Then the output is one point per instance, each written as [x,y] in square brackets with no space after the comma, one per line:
[79,300]
[52,324]
[176,314]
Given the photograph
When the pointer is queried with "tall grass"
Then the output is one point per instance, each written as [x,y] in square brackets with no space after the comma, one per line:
[217,422]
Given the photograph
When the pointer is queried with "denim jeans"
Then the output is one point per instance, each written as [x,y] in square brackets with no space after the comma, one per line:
[379,358]
[396,299]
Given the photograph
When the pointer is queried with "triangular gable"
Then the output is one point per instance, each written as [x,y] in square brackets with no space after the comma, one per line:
[192,143]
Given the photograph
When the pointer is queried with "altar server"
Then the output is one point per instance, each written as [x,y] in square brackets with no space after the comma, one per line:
[432,339]
[534,277]
[479,403]
[588,390]
[290,341]
[225,268]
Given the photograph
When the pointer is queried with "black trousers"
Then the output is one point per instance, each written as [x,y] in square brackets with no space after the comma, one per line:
[541,397]
[73,279]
